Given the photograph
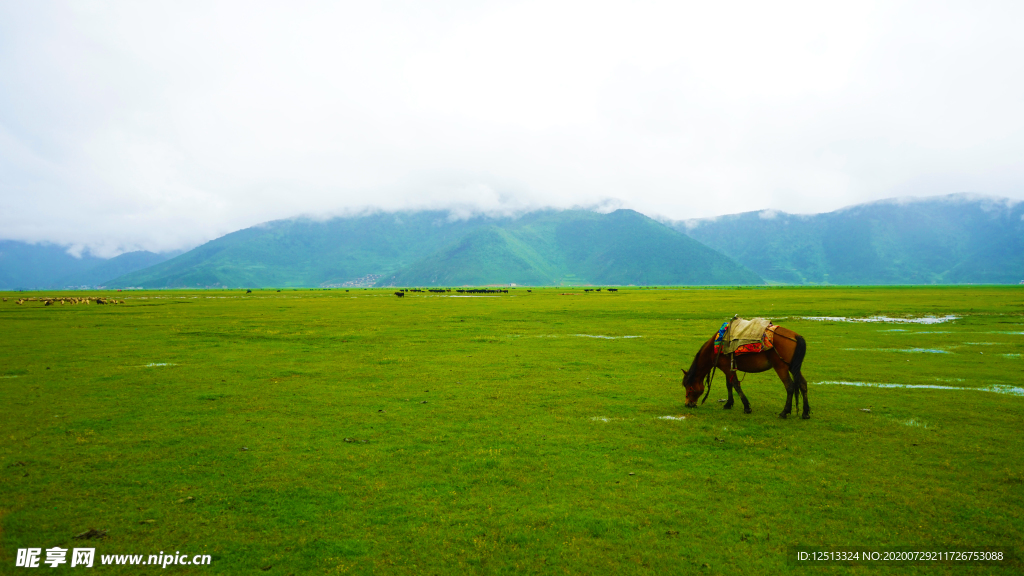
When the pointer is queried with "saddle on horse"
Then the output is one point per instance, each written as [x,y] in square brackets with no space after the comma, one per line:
[740,336]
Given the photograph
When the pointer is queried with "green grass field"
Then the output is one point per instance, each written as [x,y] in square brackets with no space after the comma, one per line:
[336,432]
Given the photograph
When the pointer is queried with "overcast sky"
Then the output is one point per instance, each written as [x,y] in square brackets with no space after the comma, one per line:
[161,125]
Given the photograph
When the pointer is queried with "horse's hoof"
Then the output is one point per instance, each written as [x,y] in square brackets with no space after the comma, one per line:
[747,410]
[783,415]
[727,407]
[806,417]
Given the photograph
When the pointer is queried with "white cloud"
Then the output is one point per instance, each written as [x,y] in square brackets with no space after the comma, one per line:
[161,125]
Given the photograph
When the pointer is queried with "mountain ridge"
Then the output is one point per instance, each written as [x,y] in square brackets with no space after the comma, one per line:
[430,248]
[962,238]
[953,239]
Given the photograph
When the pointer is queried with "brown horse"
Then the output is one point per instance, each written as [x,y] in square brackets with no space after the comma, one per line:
[786,357]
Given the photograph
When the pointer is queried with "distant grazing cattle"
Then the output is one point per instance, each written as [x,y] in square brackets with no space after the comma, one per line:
[400,294]
[248,291]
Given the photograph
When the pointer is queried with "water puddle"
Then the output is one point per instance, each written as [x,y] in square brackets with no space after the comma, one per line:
[997,388]
[601,419]
[922,320]
[1011,355]
[671,417]
[154,364]
[913,423]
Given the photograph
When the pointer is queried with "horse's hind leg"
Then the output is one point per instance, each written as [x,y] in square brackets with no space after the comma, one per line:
[728,386]
[791,387]
[802,387]
[788,408]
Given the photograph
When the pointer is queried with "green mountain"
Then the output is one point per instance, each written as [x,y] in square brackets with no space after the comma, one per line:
[490,255]
[432,248]
[941,240]
[26,266]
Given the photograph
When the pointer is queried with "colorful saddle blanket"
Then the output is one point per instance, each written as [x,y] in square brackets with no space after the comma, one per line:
[740,336]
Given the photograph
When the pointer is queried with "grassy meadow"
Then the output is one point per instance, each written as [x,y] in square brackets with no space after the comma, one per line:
[353,432]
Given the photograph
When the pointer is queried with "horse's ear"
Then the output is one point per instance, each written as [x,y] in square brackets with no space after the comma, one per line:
[684,371]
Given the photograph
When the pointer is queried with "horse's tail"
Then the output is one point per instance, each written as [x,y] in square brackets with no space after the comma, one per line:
[798,360]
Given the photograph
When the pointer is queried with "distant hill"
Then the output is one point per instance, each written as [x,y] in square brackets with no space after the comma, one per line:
[29,266]
[941,240]
[26,266]
[431,248]
[106,270]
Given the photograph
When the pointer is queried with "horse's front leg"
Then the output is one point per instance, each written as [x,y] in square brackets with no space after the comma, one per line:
[728,386]
[743,397]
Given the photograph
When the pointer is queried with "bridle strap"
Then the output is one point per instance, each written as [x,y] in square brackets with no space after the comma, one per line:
[711,376]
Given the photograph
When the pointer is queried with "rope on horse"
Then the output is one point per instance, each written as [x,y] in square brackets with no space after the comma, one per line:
[711,376]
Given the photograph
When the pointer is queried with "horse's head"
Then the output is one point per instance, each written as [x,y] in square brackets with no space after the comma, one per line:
[694,387]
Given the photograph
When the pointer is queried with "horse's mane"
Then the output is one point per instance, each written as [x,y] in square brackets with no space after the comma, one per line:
[691,374]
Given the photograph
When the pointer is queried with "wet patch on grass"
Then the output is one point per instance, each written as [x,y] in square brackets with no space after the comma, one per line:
[997,388]
[906,350]
[888,319]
